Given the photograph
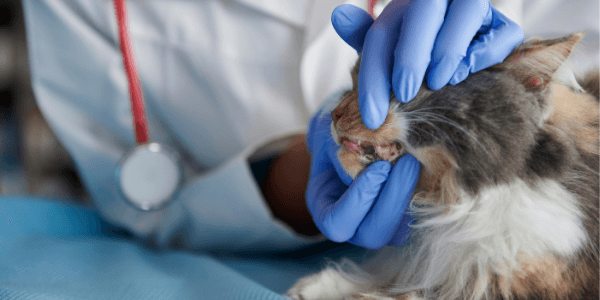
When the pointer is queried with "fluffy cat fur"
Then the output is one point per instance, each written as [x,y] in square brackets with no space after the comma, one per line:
[507,202]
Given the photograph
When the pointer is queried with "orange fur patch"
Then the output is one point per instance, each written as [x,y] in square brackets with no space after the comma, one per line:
[577,115]
[544,273]
[363,297]
[350,161]
[410,296]
[437,177]
[546,276]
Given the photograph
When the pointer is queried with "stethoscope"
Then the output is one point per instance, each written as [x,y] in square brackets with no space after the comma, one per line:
[374,7]
[150,176]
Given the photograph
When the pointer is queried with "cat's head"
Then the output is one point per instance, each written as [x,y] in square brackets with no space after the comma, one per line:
[479,132]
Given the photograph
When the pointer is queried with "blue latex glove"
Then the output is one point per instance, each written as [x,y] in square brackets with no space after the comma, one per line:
[367,212]
[448,39]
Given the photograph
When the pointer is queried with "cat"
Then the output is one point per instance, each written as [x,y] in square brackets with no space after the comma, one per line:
[506,205]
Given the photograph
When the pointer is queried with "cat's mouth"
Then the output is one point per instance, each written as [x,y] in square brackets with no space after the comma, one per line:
[389,151]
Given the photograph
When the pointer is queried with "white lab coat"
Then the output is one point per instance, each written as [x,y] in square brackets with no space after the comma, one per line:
[221,79]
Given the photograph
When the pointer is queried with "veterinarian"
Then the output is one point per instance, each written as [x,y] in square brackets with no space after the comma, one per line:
[233,87]
[228,85]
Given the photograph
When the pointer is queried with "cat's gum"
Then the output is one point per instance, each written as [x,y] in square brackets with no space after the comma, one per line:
[352,146]
[387,152]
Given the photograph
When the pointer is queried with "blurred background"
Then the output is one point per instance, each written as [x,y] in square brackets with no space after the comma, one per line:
[32,161]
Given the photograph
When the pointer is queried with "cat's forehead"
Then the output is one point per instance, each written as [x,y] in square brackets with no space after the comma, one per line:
[493,84]
[481,86]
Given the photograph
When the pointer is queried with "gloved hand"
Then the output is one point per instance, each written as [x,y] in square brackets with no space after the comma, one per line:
[447,39]
[368,211]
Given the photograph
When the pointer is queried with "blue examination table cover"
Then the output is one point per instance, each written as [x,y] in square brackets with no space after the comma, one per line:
[54,250]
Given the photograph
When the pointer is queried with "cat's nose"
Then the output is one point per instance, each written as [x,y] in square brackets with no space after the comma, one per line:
[337,113]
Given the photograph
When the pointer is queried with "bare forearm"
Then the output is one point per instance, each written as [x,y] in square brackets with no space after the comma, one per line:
[285,185]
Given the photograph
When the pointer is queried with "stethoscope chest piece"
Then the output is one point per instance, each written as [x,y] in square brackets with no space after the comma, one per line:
[150,176]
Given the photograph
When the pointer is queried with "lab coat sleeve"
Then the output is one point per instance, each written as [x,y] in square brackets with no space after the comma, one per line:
[77,77]
[67,50]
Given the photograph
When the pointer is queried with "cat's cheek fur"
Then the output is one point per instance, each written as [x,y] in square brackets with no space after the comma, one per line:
[352,163]
[393,129]
[437,183]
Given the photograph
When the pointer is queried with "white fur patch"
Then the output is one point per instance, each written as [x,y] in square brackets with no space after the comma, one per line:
[489,232]
[534,220]
[400,121]
[329,284]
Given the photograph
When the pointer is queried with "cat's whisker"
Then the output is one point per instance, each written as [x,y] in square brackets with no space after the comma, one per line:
[431,108]
[424,120]
[472,138]
[448,139]
[448,121]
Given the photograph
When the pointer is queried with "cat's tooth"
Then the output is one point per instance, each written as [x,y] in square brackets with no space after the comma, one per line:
[359,141]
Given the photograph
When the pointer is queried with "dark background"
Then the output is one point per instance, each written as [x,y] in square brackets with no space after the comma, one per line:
[32,161]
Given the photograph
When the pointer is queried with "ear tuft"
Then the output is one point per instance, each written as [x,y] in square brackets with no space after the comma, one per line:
[535,61]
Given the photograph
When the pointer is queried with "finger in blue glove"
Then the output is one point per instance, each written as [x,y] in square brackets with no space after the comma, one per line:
[338,216]
[374,78]
[351,24]
[386,220]
[492,46]
[445,39]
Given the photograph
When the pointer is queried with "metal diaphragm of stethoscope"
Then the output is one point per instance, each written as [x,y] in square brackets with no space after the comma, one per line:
[150,176]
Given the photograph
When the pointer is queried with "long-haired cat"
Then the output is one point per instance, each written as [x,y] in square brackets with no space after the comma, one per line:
[507,203]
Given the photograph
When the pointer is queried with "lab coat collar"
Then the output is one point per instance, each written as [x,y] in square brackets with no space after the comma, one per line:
[291,11]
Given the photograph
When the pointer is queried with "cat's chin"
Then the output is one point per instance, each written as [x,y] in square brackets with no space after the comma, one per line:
[354,159]
[355,155]
[351,161]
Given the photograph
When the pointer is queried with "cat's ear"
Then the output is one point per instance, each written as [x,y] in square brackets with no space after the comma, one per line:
[535,61]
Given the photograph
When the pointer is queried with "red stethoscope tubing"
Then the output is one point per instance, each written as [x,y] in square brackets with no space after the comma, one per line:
[371,7]
[140,123]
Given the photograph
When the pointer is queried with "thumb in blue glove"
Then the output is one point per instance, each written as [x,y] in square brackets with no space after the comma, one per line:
[367,212]
[447,39]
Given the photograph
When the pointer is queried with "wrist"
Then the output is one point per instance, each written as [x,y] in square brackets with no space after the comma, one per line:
[283,180]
